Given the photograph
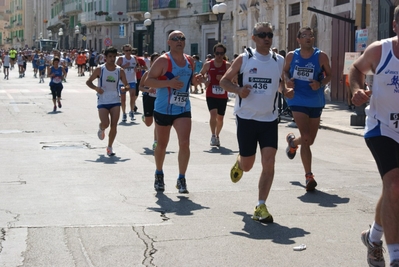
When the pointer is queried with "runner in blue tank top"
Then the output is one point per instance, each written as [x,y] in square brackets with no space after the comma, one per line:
[306,72]
[172,74]
[56,73]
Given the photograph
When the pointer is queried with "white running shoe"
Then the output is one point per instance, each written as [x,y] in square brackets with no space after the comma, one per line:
[100,133]
[213,140]
[110,152]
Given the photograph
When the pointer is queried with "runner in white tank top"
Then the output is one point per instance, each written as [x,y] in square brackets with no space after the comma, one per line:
[108,100]
[382,138]
[129,64]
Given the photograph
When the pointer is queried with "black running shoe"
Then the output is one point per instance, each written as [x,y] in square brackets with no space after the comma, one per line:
[159,184]
[182,186]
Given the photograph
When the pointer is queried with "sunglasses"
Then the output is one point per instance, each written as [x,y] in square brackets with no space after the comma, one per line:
[263,35]
[128,50]
[307,35]
[219,53]
[178,38]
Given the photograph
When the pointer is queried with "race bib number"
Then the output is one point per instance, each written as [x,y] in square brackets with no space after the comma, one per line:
[303,74]
[394,121]
[217,90]
[129,69]
[260,85]
[57,79]
[179,98]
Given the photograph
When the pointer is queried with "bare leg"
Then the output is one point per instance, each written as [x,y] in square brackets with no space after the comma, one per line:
[212,120]
[183,130]
[390,206]
[219,124]
[114,114]
[308,128]
[163,132]
[267,175]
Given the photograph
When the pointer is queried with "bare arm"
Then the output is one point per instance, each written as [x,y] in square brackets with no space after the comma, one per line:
[49,73]
[95,75]
[325,64]
[366,62]
[157,70]
[119,61]
[124,80]
[201,77]
[226,82]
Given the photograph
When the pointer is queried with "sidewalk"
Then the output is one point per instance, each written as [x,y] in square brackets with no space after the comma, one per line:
[335,116]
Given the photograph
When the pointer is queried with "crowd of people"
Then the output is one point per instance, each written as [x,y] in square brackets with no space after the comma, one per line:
[258,77]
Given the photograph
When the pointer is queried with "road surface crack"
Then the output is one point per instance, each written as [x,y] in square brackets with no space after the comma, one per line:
[149,246]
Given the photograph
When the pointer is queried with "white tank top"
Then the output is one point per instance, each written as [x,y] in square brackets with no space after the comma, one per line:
[6,60]
[383,110]
[129,71]
[263,73]
[108,81]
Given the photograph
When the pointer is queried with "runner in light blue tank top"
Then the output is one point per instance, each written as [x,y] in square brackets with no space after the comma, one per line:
[171,101]
[172,75]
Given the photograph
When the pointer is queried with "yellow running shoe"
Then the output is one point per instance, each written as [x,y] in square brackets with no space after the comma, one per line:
[236,172]
[261,214]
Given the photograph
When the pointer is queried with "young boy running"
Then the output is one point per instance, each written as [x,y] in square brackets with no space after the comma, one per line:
[108,102]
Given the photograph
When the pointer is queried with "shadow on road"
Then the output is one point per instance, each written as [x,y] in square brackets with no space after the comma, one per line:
[184,206]
[275,232]
[108,160]
[220,150]
[322,198]
[150,151]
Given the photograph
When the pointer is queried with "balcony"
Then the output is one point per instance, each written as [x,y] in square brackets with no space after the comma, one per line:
[137,8]
[8,11]
[88,18]
[166,7]
[113,18]
[18,8]
[165,4]
[103,18]
[72,8]
[55,21]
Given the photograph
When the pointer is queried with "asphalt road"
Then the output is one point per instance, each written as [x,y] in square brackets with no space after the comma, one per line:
[63,202]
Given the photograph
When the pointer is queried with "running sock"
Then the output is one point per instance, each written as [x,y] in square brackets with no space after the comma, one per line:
[260,202]
[376,232]
[181,176]
[393,250]
[158,172]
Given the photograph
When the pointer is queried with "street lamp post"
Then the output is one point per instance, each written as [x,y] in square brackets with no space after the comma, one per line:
[77,31]
[60,34]
[219,10]
[147,24]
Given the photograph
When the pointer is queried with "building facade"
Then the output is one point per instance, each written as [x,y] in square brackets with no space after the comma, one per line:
[146,25]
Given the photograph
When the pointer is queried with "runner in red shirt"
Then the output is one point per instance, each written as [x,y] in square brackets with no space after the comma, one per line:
[216,97]
[141,68]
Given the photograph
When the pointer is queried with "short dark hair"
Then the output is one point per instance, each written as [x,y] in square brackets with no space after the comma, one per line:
[219,45]
[303,29]
[56,59]
[111,50]
[154,56]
